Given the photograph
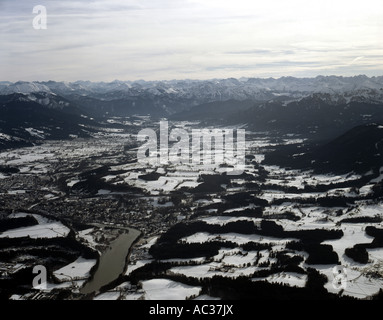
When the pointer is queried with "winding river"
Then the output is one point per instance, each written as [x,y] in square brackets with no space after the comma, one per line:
[112,261]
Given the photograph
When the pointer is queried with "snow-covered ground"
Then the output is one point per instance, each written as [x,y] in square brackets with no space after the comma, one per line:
[236,262]
[76,270]
[356,284]
[45,228]
[222,220]
[201,237]
[206,297]
[137,264]
[88,237]
[228,262]
[164,289]
[289,278]
[213,269]
[353,234]
[298,179]
[110,295]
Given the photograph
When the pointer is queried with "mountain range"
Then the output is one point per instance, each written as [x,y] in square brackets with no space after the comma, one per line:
[321,107]
[215,89]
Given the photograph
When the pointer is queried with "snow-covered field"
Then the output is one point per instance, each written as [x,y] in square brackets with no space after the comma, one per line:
[288,278]
[201,237]
[222,220]
[353,234]
[164,289]
[212,269]
[110,295]
[88,237]
[136,265]
[298,179]
[76,270]
[356,284]
[45,228]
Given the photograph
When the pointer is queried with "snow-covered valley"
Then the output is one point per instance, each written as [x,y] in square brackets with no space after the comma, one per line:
[269,224]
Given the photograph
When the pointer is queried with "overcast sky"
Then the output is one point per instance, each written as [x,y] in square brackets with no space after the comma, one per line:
[103,40]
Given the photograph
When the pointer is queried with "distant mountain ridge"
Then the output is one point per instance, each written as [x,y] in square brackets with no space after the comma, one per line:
[219,89]
[28,118]
[320,106]
[164,98]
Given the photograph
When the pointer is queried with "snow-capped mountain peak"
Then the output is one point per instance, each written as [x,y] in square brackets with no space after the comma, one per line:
[25,87]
